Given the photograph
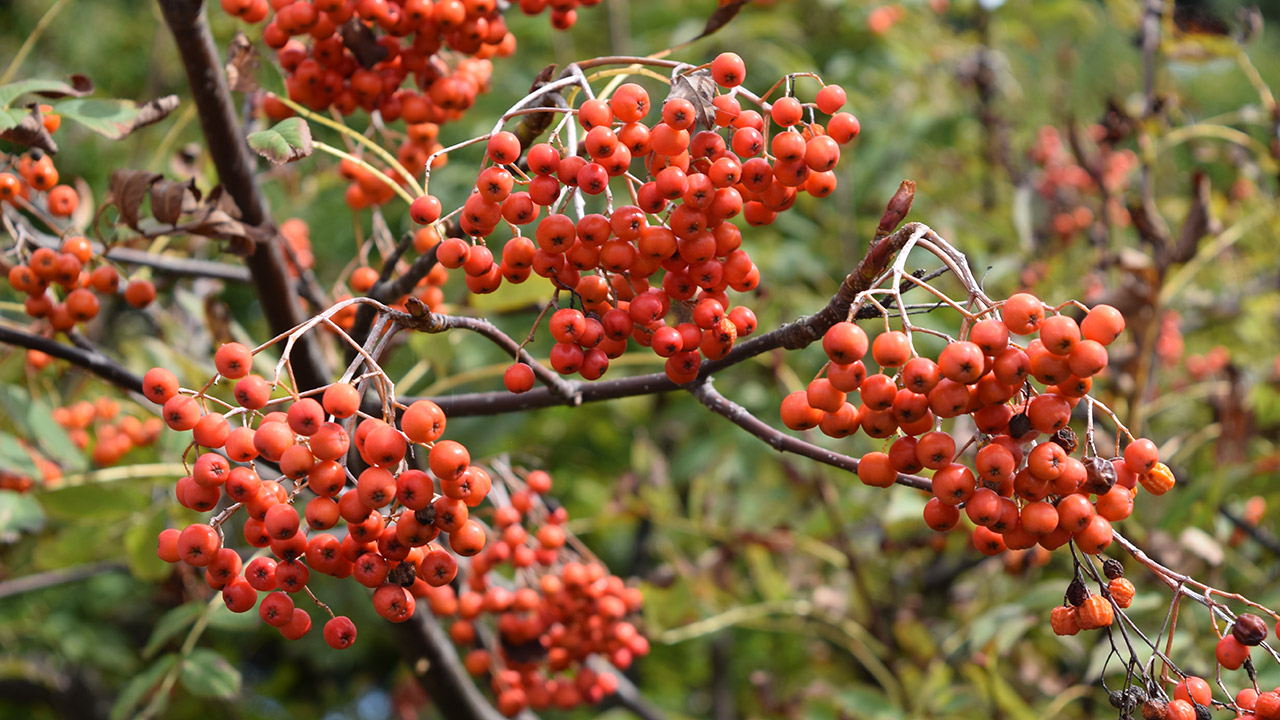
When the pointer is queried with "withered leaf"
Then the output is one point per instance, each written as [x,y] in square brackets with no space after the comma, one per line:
[700,89]
[30,132]
[168,198]
[127,190]
[242,62]
[726,10]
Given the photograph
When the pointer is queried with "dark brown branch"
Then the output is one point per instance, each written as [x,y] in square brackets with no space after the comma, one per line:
[776,439]
[230,153]
[436,666]
[53,578]
[1255,533]
[95,362]
[562,389]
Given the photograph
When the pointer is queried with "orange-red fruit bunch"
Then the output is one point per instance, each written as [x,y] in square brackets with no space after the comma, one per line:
[673,244]
[113,435]
[360,54]
[1027,482]
[33,176]
[62,291]
[398,519]
[548,627]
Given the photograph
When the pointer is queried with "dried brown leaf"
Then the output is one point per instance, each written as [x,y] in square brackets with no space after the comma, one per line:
[725,11]
[242,62]
[699,88]
[127,190]
[168,198]
[30,132]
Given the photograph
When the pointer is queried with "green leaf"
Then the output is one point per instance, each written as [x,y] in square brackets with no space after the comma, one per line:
[19,513]
[115,119]
[96,500]
[170,625]
[80,85]
[141,684]
[205,673]
[52,439]
[14,457]
[287,140]
[140,547]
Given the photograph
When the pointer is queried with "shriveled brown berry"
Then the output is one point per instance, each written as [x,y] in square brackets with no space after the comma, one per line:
[1066,439]
[1155,709]
[1112,568]
[1077,593]
[1100,475]
[1249,629]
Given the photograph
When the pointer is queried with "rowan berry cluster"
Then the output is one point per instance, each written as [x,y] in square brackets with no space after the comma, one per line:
[399,521]
[113,436]
[670,252]
[393,515]
[565,609]
[1193,695]
[32,177]
[1024,484]
[1065,185]
[358,54]
[61,288]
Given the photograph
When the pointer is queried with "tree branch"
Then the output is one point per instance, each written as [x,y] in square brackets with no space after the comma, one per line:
[776,439]
[95,362]
[230,153]
[436,666]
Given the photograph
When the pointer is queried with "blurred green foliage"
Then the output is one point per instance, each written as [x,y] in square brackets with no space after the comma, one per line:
[747,584]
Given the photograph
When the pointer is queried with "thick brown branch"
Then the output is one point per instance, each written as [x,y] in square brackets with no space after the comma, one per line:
[230,153]
[95,362]
[776,439]
[435,663]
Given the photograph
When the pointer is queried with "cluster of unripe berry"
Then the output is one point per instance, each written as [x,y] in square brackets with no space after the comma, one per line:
[563,610]
[1024,484]
[672,246]
[62,291]
[113,434]
[405,527]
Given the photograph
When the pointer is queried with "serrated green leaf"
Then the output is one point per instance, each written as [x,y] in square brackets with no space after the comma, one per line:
[115,119]
[19,513]
[287,140]
[52,438]
[133,693]
[14,457]
[140,547]
[98,501]
[170,625]
[205,673]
